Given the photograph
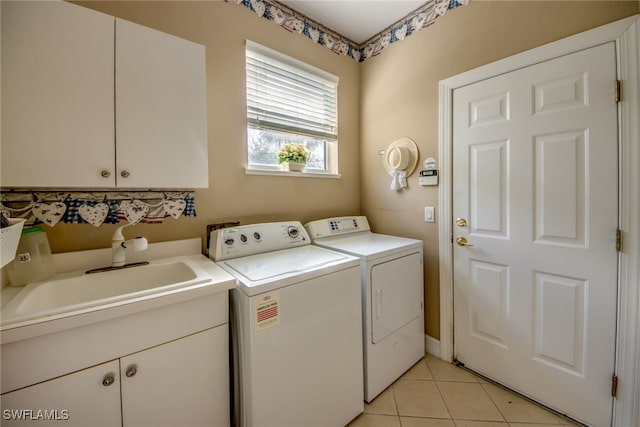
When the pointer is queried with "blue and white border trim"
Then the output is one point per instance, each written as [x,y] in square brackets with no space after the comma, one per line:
[414,22]
[294,21]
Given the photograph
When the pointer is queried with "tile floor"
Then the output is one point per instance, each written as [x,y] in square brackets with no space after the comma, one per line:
[435,393]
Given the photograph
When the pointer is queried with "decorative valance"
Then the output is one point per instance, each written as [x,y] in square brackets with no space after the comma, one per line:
[291,21]
[96,208]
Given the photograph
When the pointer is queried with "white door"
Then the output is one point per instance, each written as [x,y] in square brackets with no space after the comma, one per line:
[536,180]
[161,113]
[90,397]
[181,383]
[396,295]
[57,95]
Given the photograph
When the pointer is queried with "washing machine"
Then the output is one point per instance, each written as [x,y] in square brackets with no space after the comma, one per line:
[392,296]
[295,325]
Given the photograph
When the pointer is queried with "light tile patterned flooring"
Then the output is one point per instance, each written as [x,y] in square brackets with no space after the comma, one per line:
[435,393]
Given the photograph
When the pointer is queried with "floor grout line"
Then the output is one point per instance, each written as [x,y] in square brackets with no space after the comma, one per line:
[561,416]
[376,418]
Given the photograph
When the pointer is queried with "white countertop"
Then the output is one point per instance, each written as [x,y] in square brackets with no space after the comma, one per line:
[76,263]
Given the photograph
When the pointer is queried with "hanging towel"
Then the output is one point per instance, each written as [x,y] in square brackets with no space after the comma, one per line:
[398,180]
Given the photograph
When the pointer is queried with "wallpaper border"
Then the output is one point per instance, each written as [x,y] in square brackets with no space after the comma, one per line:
[293,21]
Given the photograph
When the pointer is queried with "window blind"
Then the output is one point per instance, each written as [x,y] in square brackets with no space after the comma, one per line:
[286,95]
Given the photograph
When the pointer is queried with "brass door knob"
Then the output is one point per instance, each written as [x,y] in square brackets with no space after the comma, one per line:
[461,222]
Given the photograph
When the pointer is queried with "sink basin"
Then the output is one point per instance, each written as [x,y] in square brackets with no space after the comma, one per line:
[72,292]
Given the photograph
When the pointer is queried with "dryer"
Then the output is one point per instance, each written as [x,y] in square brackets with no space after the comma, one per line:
[295,325]
[392,286]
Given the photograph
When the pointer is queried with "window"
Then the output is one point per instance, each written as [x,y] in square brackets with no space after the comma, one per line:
[289,101]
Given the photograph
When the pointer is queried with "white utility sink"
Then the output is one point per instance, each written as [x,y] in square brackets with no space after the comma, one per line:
[71,292]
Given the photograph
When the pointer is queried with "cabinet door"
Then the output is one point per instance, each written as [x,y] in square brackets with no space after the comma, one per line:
[84,398]
[161,132]
[57,95]
[181,383]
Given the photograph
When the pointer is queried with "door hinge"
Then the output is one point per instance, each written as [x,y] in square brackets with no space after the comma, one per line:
[614,385]
[618,91]
[619,240]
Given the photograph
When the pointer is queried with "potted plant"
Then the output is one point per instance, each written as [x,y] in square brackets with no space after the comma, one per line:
[293,157]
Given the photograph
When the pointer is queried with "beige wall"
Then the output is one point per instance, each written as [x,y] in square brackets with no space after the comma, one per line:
[232,195]
[399,90]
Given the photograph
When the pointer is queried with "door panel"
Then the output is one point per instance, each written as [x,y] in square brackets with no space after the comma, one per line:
[560,183]
[78,399]
[559,322]
[181,383]
[488,309]
[396,295]
[487,191]
[160,92]
[536,178]
[57,95]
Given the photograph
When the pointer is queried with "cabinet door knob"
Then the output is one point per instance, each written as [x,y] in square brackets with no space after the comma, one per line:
[105,173]
[108,380]
[131,371]
[125,173]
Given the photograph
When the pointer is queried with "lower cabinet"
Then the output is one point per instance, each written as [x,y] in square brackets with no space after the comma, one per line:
[181,383]
[184,382]
[90,397]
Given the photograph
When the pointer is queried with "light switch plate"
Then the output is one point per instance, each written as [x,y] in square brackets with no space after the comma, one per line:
[429,214]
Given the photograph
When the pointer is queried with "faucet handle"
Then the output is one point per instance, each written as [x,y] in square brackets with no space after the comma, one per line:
[139,243]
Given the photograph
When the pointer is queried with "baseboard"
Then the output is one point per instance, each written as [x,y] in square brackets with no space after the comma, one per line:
[432,345]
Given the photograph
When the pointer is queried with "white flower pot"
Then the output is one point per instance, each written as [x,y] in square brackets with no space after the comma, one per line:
[293,166]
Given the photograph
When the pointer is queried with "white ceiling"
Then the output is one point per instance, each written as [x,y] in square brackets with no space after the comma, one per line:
[357,20]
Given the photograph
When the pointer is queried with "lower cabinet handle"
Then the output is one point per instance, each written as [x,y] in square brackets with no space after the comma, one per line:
[131,371]
[108,380]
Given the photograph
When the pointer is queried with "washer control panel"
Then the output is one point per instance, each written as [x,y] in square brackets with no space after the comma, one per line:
[337,226]
[254,239]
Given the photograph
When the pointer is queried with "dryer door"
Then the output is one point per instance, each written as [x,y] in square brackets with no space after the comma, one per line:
[396,295]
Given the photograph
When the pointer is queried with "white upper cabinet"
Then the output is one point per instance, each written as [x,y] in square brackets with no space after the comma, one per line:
[161,119]
[57,95]
[90,101]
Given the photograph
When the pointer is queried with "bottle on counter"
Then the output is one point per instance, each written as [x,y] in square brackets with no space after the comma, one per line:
[33,261]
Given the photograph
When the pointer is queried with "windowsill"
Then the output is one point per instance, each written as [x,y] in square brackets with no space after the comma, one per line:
[303,174]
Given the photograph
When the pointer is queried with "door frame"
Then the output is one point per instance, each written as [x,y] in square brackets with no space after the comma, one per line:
[626,35]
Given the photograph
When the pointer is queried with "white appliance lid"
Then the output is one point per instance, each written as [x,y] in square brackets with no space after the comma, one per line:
[272,265]
[367,244]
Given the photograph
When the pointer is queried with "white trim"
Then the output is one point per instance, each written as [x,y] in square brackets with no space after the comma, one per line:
[445,229]
[303,174]
[628,365]
[625,33]
[432,345]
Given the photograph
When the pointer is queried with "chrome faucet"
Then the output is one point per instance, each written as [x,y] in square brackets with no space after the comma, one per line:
[119,246]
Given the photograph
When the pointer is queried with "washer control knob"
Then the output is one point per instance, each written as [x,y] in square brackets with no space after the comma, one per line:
[243,238]
[257,235]
[293,232]
[229,241]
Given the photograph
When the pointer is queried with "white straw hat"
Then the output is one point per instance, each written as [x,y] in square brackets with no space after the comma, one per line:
[401,155]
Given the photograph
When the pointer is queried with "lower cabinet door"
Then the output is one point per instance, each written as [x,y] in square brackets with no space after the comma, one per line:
[90,397]
[181,383]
